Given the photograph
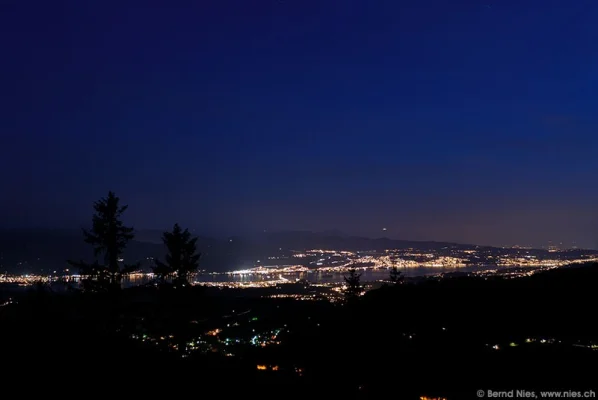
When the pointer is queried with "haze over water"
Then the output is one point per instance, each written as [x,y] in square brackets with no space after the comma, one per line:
[368,275]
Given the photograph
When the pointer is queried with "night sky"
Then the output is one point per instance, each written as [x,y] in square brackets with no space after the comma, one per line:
[470,121]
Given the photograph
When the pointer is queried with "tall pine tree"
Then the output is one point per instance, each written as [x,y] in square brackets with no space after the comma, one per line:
[396,276]
[182,258]
[353,289]
[109,238]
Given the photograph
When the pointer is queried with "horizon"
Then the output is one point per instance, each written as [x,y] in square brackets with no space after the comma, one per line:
[435,120]
[327,232]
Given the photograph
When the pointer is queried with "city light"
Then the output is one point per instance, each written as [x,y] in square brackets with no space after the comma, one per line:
[332,264]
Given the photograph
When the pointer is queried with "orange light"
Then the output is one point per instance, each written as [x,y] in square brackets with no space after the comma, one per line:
[262,367]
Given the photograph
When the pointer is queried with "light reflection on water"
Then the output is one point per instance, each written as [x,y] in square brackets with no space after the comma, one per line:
[368,275]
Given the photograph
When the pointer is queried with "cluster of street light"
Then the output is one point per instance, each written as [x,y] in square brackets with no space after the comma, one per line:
[320,261]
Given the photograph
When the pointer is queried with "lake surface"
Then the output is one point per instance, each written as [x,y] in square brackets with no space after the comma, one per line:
[369,275]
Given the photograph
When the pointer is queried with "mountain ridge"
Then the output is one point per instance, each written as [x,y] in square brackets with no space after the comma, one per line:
[46,250]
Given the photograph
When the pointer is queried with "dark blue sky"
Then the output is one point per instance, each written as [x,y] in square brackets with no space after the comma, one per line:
[471,121]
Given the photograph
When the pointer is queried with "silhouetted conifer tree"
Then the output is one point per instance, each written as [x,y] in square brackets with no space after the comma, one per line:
[182,258]
[353,289]
[109,238]
[396,276]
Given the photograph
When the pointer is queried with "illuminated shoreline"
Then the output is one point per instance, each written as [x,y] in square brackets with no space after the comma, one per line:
[326,263]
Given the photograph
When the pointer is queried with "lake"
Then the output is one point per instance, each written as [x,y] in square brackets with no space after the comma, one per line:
[368,275]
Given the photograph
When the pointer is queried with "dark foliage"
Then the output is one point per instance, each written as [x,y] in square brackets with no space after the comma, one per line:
[182,258]
[441,344]
[353,289]
[396,276]
[109,238]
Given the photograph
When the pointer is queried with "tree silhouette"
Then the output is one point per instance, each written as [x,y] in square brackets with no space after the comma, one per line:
[182,258]
[353,289]
[396,276]
[109,238]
